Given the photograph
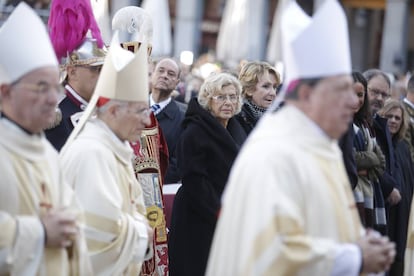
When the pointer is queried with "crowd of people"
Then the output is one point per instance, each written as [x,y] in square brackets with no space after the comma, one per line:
[310,174]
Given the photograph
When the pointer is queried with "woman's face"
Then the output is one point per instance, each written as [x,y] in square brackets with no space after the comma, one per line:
[265,91]
[394,122]
[223,105]
[360,93]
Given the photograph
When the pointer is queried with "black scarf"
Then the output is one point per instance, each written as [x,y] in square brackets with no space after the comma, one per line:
[254,111]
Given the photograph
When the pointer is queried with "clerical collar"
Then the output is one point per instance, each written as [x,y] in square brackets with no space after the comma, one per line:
[162,104]
[409,103]
[75,98]
[2,115]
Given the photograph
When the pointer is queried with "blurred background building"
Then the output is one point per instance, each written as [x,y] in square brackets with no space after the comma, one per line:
[229,31]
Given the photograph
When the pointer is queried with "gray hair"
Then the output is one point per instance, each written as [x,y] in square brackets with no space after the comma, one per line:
[214,84]
[372,73]
[103,109]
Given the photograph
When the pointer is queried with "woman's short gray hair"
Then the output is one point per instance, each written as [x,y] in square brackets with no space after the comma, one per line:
[214,84]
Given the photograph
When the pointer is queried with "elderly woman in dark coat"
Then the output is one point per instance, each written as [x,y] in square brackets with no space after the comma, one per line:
[399,214]
[209,143]
[259,85]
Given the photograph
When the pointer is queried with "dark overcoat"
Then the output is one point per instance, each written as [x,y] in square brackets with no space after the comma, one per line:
[400,213]
[205,155]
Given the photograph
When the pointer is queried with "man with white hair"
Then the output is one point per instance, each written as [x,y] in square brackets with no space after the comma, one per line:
[134,25]
[97,160]
[40,229]
[288,208]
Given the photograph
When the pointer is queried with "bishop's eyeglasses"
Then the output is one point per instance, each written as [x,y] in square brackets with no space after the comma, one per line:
[41,87]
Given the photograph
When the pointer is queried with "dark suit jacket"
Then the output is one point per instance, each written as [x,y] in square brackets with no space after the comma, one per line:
[170,119]
[59,134]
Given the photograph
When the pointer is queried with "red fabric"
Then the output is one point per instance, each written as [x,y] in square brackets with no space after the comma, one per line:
[168,205]
[102,101]
[292,85]
[164,154]
[158,264]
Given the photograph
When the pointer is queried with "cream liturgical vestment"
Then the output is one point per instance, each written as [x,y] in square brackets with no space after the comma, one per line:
[409,251]
[30,184]
[99,167]
[287,206]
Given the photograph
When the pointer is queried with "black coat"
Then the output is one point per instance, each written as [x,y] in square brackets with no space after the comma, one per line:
[59,134]
[400,213]
[205,155]
[388,181]
[170,119]
[346,144]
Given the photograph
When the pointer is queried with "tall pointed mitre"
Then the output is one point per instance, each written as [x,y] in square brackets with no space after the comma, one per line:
[134,25]
[21,50]
[124,77]
[316,46]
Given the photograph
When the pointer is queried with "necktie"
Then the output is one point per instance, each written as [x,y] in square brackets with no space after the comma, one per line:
[155,108]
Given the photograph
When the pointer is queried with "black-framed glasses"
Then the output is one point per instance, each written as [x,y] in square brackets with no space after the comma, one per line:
[376,92]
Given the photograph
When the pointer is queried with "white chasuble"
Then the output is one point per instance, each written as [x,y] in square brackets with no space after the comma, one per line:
[30,184]
[288,205]
[409,251]
[99,168]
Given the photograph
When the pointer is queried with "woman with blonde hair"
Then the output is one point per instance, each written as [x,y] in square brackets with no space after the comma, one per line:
[260,82]
[398,216]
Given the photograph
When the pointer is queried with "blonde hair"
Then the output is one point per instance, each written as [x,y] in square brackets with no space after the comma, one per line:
[251,72]
[390,105]
[214,84]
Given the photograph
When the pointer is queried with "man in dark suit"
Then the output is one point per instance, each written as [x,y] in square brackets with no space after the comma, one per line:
[169,112]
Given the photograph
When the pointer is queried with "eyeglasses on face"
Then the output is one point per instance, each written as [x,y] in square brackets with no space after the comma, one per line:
[377,92]
[222,98]
[40,87]
[94,69]
[141,111]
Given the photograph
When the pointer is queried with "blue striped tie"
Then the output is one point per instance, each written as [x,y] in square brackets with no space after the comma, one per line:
[155,108]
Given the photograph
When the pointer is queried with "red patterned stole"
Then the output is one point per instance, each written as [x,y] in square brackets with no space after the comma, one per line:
[150,164]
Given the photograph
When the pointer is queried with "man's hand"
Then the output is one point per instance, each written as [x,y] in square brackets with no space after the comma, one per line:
[60,227]
[377,252]
[394,197]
